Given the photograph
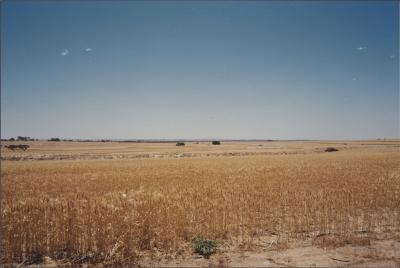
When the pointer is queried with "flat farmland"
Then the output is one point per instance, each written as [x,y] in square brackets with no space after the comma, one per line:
[72,203]
[43,150]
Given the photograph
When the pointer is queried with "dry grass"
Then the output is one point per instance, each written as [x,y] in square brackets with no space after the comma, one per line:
[333,241]
[114,210]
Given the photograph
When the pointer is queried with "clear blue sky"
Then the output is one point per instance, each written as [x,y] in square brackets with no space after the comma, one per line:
[288,70]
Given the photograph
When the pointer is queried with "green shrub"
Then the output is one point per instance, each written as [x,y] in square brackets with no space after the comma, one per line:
[204,247]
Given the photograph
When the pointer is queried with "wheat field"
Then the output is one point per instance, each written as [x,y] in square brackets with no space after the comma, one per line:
[115,210]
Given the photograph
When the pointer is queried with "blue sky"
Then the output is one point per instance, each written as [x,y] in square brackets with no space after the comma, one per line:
[241,70]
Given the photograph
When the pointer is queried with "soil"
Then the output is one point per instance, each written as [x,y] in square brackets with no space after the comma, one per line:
[377,253]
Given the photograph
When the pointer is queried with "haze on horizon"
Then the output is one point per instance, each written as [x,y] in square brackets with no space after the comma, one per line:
[196,70]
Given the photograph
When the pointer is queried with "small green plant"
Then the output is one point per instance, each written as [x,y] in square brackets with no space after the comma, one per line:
[204,247]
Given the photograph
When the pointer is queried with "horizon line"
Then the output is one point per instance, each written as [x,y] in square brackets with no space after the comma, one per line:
[149,140]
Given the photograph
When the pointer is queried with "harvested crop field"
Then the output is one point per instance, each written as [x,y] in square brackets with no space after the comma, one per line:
[263,198]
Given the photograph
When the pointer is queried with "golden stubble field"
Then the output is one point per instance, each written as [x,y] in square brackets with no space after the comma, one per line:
[117,211]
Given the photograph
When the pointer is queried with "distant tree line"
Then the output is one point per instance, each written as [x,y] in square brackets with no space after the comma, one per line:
[20,138]
[23,138]
[55,139]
